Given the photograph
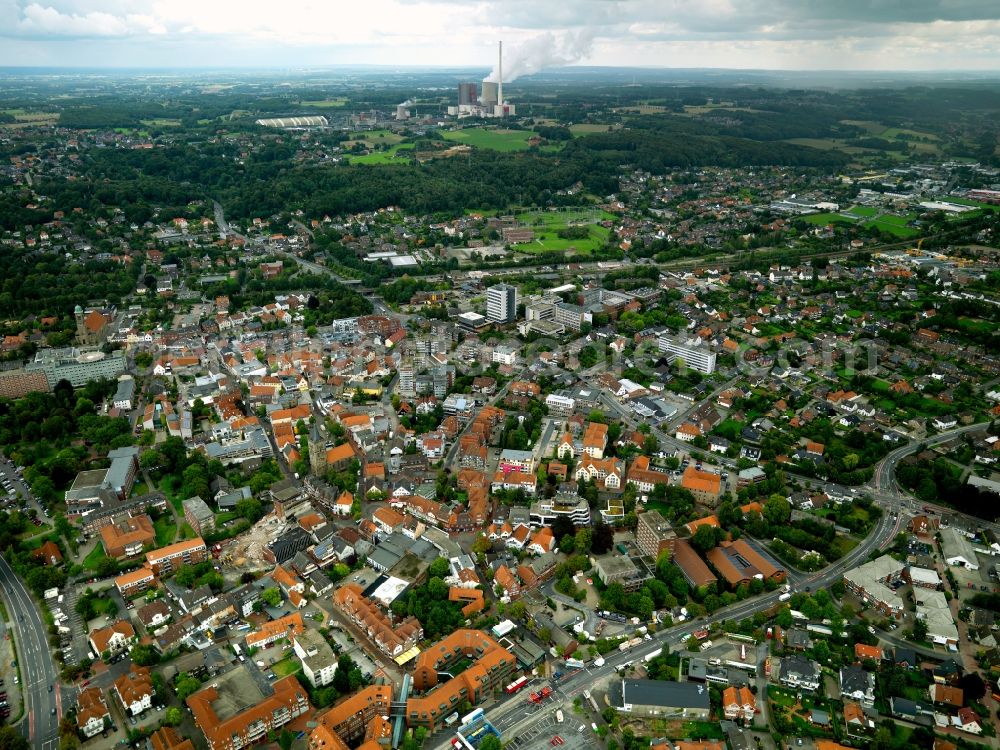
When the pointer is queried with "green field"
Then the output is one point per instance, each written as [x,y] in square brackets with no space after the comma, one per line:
[375,137]
[337,101]
[841,545]
[383,157]
[866,211]
[496,139]
[166,530]
[34,531]
[285,667]
[95,558]
[893,225]
[827,218]
[548,224]
[585,128]
[161,122]
[968,202]
[25,118]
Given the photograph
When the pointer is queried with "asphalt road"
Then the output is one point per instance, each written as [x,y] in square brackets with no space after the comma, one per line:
[42,703]
[513,715]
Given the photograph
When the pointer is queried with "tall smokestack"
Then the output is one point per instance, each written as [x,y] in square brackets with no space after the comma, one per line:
[500,76]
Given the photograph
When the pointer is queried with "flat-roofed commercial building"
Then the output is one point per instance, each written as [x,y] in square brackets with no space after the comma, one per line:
[501,303]
[695,355]
[653,534]
[661,698]
[199,515]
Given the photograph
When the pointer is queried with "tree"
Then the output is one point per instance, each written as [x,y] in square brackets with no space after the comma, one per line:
[145,655]
[919,631]
[250,508]
[603,539]
[584,539]
[195,481]
[186,685]
[342,677]
[439,568]
[482,544]
[173,716]
[490,742]
[567,545]
[704,538]
[777,510]
[973,687]
[271,596]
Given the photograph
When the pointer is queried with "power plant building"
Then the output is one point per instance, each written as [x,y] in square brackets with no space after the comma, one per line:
[468,94]
[490,102]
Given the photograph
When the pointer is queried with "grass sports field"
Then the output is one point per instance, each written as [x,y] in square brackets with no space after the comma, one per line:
[497,139]
[548,224]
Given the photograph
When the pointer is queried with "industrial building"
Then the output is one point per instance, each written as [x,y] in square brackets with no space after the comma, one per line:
[490,102]
[294,123]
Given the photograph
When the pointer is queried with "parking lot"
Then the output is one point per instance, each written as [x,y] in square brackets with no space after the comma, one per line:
[572,734]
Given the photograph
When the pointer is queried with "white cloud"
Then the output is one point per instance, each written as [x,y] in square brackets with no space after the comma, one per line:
[901,34]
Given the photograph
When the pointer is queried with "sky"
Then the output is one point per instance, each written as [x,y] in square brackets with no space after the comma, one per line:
[925,35]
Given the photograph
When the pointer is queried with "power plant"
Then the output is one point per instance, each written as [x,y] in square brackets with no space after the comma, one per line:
[490,102]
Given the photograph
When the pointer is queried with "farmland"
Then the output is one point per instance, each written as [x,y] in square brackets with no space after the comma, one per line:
[337,101]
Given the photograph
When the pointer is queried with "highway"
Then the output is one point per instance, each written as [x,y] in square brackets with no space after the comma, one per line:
[42,702]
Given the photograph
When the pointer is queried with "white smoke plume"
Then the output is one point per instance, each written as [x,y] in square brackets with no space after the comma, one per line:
[543,51]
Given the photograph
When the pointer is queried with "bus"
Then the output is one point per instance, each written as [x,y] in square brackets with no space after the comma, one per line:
[474,715]
[516,685]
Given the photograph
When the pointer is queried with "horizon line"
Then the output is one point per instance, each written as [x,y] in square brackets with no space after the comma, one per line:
[650,68]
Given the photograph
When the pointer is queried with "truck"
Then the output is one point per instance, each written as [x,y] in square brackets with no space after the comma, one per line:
[705,646]
[652,655]
[784,597]
[621,548]
[700,634]
[541,695]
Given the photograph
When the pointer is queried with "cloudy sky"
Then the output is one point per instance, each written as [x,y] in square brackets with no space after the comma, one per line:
[778,34]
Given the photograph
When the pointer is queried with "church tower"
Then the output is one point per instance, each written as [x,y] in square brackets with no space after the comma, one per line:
[81,327]
[317,451]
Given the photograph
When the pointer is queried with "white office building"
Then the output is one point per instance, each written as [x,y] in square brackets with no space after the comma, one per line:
[501,303]
[693,352]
